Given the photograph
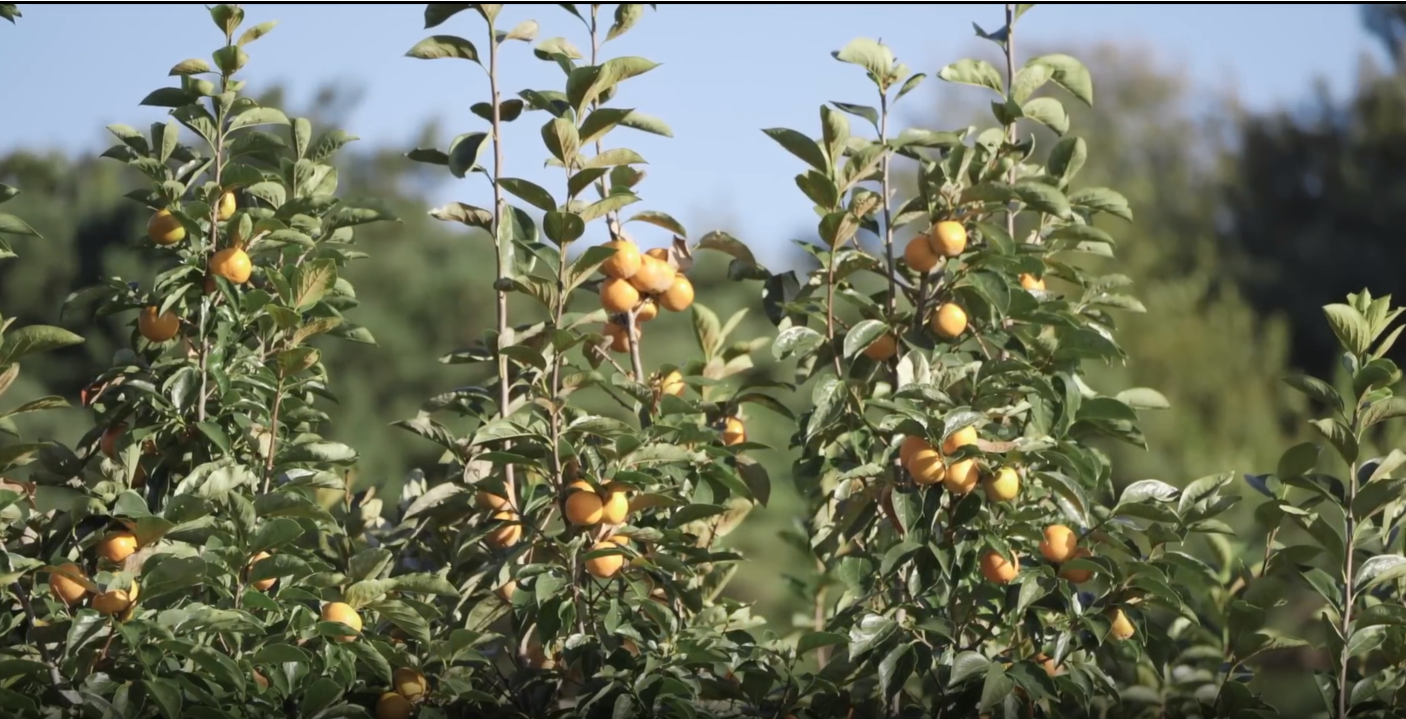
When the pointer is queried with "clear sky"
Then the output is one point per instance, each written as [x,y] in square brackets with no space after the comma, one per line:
[68,70]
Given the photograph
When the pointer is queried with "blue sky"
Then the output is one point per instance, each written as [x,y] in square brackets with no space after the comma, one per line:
[727,72]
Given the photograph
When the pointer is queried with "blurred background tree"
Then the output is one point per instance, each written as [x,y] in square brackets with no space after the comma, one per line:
[1315,200]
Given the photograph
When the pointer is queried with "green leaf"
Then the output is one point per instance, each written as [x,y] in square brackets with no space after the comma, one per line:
[275,533]
[1048,112]
[1299,460]
[425,584]
[637,120]
[967,665]
[438,12]
[800,146]
[870,633]
[32,339]
[36,405]
[329,143]
[626,15]
[256,32]
[464,152]
[695,512]
[1144,398]
[1374,496]
[864,111]
[464,214]
[1383,410]
[11,225]
[167,97]
[1102,199]
[1379,570]
[585,84]
[489,11]
[561,139]
[566,227]
[610,203]
[1070,74]
[318,452]
[896,668]
[909,85]
[166,693]
[534,194]
[1042,197]
[1350,326]
[277,566]
[601,121]
[1148,490]
[320,695]
[1316,389]
[258,116]
[974,72]
[589,260]
[274,654]
[613,157]
[1067,158]
[1029,79]
[369,563]
[875,57]
[996,687]
[862,335]
[230,59]
[1340,436]
[1382,614]
[439,47]
[315,280]
[660,219]
[372,659]
[217,666]
[796,342]
[193,66]
[270,192]
[1106,408]
[812,641]
[164,574]
[525,31]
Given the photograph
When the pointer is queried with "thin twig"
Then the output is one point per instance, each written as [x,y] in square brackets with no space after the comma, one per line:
[1349,593]
[273,437]
[892,265]
[631,327]
[55,677]
[1010,89]
[500,210]
[830,315]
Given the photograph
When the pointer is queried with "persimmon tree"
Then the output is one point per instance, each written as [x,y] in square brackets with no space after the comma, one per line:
[583,541]
[203,550]
[191,568]
[974,551]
